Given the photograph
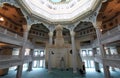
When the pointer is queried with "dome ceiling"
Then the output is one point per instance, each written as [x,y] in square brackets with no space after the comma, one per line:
[60,10]
[59,1]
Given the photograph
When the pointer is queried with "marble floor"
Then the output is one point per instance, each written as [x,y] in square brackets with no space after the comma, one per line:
[42,73]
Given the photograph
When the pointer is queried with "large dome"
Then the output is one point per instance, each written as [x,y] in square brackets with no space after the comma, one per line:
[56,1]
[60,10]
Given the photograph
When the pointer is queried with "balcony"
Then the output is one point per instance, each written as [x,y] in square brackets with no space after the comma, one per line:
[9,37]
[7,61]
[108,37]
[12,38]
[112,60]
[109,60]
[111,36]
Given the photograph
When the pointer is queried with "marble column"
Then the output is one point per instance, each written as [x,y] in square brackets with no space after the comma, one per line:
[22,52]
[106,71]
[103,53]
[101,46]
[97,67]
[49,53]
[80,63]
[74,59]
[30,63]
[50,37]
[49,61]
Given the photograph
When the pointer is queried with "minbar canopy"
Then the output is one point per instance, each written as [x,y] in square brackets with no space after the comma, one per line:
[60,10]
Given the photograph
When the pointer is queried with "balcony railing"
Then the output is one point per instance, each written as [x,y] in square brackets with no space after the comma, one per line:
[7,61]
[108,35]
[38,57]
[113,56]
[8,57]
[110,60]
[113,32]
[13,36]
[10,34]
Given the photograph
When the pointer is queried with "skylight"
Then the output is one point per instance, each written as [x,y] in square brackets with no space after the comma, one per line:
[56,1]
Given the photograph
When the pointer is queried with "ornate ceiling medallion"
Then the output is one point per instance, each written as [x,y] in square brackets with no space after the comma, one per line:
[59,1]
[55,1]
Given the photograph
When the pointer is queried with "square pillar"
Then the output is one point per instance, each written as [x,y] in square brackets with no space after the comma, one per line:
[30,63]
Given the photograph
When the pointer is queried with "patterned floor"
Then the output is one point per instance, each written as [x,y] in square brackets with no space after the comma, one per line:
[42,73]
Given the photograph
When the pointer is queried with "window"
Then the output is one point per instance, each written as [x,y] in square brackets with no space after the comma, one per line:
[111,24]
[39,63]
[35,64]
[6,23]
[89,63]
[80,33]
[85,61]
[84,53]
[21,30]
[116,21]
[16,28]
[33,32]
[84,32]
[92,64]
[36,33]
[41,53]
[39,34]
[104,26]
[87,31]
[90,53]
[91,30]
[42,34]
[87,54]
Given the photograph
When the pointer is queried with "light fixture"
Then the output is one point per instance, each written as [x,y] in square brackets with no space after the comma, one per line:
[1,19]
[101,30]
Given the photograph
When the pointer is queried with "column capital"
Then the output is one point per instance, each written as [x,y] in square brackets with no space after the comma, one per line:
[51,28]
[50,34]
[72,33]
[98,24]
[26,27]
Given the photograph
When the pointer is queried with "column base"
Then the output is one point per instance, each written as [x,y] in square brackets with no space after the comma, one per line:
[82,71]
[106,71]
[98,71]
[19,71]
[29,70]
